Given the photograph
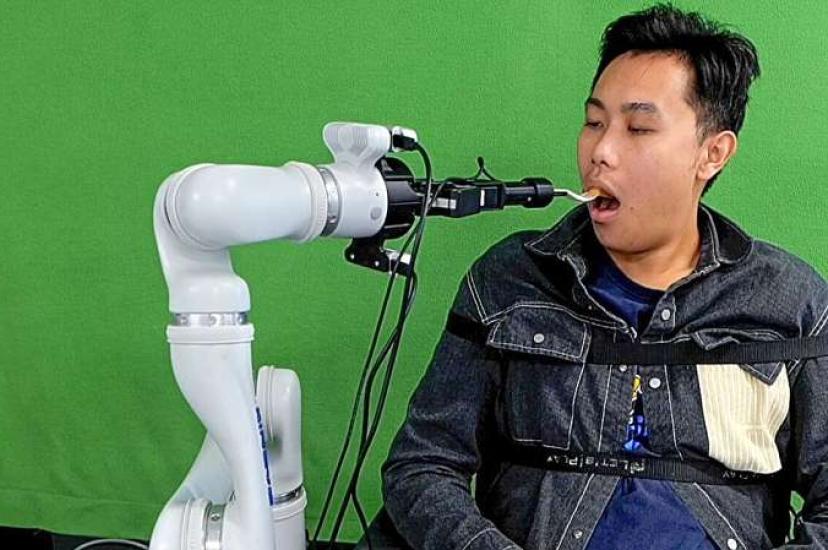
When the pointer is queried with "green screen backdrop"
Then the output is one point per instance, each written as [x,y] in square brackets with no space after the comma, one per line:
[100,101]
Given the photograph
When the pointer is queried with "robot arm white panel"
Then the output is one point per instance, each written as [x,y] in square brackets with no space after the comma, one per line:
[203,210]
[359,145]
[199,213]
[362,204]
[217,206]
[198,280]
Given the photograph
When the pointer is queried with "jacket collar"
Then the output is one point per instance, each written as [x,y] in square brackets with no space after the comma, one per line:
[722,241]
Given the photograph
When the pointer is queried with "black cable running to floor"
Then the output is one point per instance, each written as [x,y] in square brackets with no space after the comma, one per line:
[407,300]
[391,345]
[360,386]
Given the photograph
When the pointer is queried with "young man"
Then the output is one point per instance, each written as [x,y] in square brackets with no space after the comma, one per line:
[646,264]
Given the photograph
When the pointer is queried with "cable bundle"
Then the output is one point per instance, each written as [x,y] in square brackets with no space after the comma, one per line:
[373,367]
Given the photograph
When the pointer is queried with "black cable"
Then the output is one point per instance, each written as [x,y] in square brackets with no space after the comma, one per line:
[481,170]
[372,348]
[344,503]
[380,407]
[363,522]
[355,409]
[418,230]
[392,346]
[346,443]
[366,400]
[408,299]
[368,433]
[393,341]
[409,296]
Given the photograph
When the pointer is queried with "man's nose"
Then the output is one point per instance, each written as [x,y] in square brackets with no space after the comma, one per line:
[605,150]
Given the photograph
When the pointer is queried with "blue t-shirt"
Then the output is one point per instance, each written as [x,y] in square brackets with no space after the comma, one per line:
[642,512]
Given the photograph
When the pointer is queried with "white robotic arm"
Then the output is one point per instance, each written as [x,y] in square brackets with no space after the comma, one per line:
[240,488]
[203,210]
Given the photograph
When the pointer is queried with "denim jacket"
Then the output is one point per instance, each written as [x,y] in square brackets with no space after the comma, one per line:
[528,292]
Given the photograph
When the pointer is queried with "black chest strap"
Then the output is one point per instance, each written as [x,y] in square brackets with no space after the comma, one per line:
[604,351]
[705,472]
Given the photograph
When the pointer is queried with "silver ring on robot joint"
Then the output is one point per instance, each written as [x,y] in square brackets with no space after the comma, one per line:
[213,522]
[332,190]
[289,496]
[209,319]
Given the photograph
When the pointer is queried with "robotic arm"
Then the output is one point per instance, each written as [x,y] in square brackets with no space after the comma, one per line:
[203,210]
[244,490]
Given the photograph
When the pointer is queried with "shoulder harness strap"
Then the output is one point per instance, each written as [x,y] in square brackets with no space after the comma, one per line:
[603,351]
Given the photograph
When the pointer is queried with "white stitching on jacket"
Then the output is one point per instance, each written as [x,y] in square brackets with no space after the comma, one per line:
[577,505]
[716,508]
[546,305]
[571,420]
[604,410]
[478,304]
[672,417]
[544,351]
[474,538]
[820,324]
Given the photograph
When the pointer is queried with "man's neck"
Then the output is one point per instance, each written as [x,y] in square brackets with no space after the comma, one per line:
[661,267]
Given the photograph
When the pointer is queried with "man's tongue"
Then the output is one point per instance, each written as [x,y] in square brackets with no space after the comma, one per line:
[606,203]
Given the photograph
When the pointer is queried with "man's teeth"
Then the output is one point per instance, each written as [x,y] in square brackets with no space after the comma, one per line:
[597,193]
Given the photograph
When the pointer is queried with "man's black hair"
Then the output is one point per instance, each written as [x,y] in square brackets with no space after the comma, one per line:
[724,63]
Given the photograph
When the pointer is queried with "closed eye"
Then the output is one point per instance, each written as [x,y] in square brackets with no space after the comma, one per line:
[640,130]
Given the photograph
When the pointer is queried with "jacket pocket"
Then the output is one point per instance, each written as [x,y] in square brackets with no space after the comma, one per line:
[545,349]
[743,405]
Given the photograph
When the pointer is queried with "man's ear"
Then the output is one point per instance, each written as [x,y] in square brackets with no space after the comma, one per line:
[717,150]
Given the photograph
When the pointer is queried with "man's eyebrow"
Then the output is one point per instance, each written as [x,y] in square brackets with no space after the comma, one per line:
[594,101]
[640,107]
[634,106]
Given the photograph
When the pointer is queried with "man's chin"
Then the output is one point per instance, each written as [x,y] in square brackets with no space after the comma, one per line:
[612,239]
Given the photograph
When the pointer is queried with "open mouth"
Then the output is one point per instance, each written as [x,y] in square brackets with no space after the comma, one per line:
[605,204]
[604,201]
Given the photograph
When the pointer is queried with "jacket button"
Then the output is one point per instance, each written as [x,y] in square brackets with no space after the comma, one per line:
[732,544]
[655,383]
[577,534]
[665,314]
[539,338]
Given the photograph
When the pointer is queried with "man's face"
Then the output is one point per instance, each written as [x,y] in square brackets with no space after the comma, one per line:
[640,145]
